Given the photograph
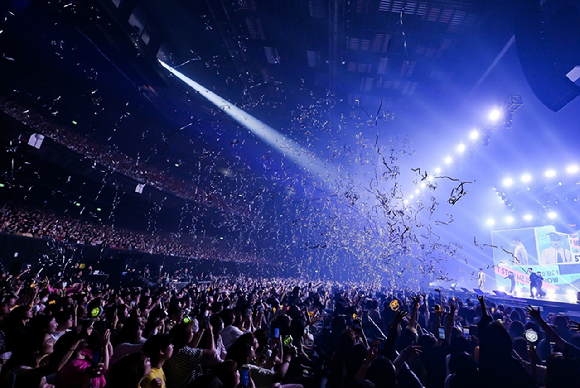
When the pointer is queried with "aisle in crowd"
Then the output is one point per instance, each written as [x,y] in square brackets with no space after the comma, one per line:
[242,332]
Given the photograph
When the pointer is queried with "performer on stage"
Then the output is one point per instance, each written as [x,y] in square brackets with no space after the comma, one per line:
[480,279]
[536,280]
[512,279]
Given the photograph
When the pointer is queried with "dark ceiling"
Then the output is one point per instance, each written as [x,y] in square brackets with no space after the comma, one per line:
[332,75]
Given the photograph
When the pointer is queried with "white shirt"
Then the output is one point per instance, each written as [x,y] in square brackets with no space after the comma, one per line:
[521,254]
[550,255]
[229,335]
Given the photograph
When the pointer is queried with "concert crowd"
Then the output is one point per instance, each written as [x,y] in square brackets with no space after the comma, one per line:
[111,158]
[291,333]
[43,223]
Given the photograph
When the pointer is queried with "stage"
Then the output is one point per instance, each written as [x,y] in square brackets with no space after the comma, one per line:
[565,304]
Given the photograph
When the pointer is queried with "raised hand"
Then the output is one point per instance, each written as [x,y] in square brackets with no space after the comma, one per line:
[416,300]
[373,352]
[399,317]
[412,350]
[534,313]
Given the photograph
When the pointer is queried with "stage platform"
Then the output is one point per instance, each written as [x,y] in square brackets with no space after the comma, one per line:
[551,303]
[555,303]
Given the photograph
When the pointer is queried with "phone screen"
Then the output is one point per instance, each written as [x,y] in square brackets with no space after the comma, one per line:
[245,378]
[466,332]
[442,332]
[96,357]
[276,333]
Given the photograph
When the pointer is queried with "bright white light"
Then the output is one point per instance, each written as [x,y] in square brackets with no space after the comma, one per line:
[507,182]
[474,134]
[490,221]
[552,215]
[495,114]
[268,134]
[509,219]
[501,288]
[526,178]
[406,201]
[461,148]
[572,169]
[528,217]
[411,196]
[417,191]
[550,173]
[423,184]
[572,298]
[448,160]
[437,170]
[550,291]
[571,291]
[430,178]
[518,289]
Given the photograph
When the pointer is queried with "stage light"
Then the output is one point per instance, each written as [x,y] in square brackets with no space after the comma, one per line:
[550,173]
[572,169]
[276,140]
[411,196]
[509,219]
[528,217]
[406,201]
[501,288]
[507,182]
[461,148]
[437,170]
[474,134]
[552,215]
[526,178]
[417,191]
[571,291]
[495,114]
[423,184]
[448,160]
[490,222]
[430,178]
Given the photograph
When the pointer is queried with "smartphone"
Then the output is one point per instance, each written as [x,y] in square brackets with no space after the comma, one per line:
[466,332]
[442,333]
[96,357]
[245,377]
[473,331]
[276,333]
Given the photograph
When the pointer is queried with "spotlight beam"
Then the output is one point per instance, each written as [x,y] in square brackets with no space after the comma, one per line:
[267,134]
